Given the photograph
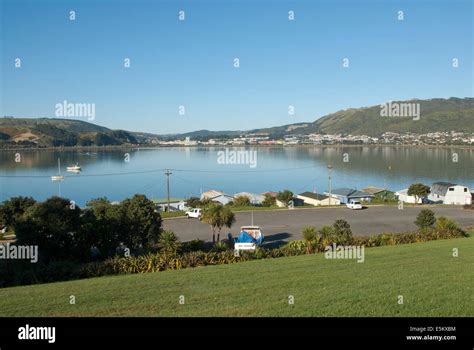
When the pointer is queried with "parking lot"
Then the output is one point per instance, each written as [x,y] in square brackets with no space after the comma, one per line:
[285,225]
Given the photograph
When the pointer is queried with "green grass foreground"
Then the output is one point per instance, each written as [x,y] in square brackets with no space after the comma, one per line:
[431,280]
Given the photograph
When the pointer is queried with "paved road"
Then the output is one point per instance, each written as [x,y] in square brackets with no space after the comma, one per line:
[284,225]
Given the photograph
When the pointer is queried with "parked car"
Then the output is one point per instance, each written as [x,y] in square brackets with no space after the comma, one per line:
[194,213]
[354,205]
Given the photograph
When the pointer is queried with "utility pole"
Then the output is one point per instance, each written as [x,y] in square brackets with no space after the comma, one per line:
[329,180]
[168,173]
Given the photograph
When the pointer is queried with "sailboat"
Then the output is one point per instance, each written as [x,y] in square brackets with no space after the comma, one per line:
[74,168]
[58,177]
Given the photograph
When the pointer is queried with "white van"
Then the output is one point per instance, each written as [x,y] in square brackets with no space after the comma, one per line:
[194,213]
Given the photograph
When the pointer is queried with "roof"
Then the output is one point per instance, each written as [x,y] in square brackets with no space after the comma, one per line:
[373,189]
[211,194]
[272,194]
[312,195]
[350,193]
[165,200]
[441,188]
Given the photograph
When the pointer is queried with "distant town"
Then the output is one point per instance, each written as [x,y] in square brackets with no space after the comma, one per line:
[387,138]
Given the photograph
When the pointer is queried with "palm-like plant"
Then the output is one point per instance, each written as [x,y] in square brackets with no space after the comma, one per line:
[168,242]
[309,235]
[217,216]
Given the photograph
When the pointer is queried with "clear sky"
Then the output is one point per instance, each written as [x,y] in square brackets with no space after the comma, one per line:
[190,62]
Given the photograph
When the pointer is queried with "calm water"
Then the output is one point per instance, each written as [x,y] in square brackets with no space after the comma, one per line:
[106,173]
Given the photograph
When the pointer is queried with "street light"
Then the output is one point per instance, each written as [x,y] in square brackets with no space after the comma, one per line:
[329,180]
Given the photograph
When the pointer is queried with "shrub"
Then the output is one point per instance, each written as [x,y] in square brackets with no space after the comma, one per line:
[425,218]
[193,246]
[168,242]
[342,232]
[269,201]
[220,247]
[309,235]
[242,201]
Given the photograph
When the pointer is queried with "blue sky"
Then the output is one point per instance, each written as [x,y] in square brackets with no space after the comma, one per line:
[190,62]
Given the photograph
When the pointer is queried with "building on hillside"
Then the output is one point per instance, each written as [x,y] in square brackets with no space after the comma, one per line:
[344,195]
[449,193]
[217,196]
[317,199]
[404,197]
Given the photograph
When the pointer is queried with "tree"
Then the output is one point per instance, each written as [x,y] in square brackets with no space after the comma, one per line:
[141,220]
[55,227]
[269,201]
[12,210]
[106,222]
[425,219]
[242,201]
[418,191]
[217,216]
[285,196]
[342,232]
[193,202]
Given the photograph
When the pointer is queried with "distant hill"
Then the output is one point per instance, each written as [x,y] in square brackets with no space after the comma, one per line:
[436,115]
[453,114]
[48,132]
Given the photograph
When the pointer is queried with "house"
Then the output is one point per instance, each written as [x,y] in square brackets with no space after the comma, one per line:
[217,196]
[404,197]
[255,198]
[344,195]
[317,199]
[380,193]
[449,193]
[175,204]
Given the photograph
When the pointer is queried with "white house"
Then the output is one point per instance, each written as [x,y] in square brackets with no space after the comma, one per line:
[449,193]
[404,197]
[217,196]
[317,199]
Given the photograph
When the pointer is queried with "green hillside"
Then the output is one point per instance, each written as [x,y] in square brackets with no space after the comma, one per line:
[431,281]
[453,114]
[436,115]
[48,132]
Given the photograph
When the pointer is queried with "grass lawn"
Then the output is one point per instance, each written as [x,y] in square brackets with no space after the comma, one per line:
[431,280]
[172,214]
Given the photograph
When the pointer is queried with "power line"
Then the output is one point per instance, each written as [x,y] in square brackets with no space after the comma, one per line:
[163,170]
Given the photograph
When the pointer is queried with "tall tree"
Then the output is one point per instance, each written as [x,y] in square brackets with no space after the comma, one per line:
[418,190]
[13,209]
[55,227]
[285,196]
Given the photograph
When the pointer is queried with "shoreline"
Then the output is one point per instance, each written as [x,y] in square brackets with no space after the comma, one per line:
[121,147]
